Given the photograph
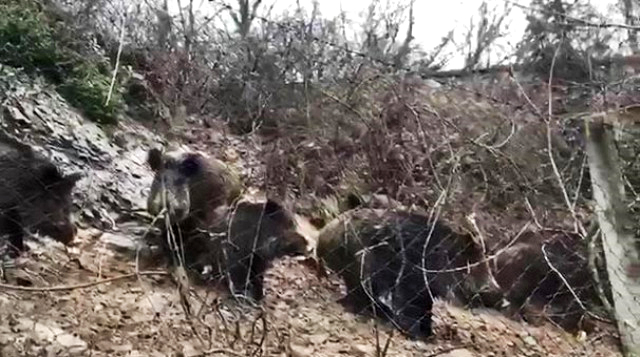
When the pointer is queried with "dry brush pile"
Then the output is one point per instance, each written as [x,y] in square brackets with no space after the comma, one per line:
[407,139]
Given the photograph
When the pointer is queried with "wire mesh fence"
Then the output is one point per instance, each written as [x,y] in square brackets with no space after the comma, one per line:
[477,242]
[410,271]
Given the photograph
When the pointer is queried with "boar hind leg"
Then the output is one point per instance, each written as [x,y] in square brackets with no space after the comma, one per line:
[413,305]
[15,233]
[359,301]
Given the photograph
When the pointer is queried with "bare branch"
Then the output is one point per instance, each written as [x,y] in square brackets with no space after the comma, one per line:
[574,21]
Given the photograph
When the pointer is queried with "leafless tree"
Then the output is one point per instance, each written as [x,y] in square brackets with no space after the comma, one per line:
[483,32]
[631,18]
[244,15]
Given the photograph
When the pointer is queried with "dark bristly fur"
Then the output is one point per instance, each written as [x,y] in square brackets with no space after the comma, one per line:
[383,249]
[531,284]
[34,197]
[239,240]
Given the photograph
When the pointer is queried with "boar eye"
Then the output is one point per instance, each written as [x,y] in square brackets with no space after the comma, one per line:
[189,166]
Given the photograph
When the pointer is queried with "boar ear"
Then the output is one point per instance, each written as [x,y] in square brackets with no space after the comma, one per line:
[353,201]
[73,178]
[68,182]
[49,174]
[190,165]
[272,207]
[154,159]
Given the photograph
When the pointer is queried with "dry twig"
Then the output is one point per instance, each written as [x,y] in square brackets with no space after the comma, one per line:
[83,285]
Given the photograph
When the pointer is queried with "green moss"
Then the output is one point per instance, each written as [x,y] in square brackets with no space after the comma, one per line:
[32,42]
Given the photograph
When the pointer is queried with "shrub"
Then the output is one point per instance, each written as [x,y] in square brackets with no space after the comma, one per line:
[27,39]
[30,40]
[87,88]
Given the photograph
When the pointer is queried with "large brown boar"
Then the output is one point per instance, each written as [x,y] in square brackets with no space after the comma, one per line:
[388,260]
[532,271]
[214,225]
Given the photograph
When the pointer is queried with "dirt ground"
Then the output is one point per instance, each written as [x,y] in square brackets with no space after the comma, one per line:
[88,300]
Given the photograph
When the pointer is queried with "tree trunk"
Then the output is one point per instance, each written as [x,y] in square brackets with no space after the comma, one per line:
[403,53]
[630,19]
[620,248]
[164,26]
[245,15]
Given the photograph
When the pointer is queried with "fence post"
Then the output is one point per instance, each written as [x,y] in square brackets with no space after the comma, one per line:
[621,249]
